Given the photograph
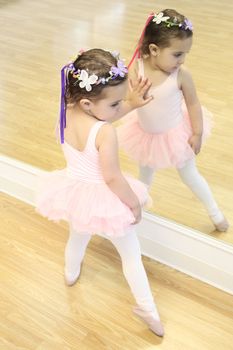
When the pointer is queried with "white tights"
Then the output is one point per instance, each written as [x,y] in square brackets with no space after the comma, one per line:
[129,250]
[195,181]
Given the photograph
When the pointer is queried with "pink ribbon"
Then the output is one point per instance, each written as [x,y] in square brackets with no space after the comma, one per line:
[137,52]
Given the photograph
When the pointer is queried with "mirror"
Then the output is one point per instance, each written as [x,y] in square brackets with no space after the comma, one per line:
[210,62]
[32,53]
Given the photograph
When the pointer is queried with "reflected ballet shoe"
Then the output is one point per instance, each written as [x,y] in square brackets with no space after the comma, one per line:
[154,325]
[71,278]
[222,226]
[219,221]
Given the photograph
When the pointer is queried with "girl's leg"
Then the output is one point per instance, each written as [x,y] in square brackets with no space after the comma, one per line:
[146,175]
[129,250]
[74,254]
[198,185]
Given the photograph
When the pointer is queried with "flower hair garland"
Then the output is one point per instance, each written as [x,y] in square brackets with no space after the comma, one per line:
[160,18]
[85,81]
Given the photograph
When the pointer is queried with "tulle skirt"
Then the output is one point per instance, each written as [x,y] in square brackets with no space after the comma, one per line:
[162,150]
[88,207]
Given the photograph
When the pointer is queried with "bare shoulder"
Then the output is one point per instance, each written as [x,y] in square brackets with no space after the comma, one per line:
[184,74]
[184,77]
[187,85]
[106,134]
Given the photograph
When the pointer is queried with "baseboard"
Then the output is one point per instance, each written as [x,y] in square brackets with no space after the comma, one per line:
[192,252]
[18,179]
[196,254]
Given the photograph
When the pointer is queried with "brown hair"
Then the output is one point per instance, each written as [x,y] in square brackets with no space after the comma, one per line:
[160,34]
[94,61]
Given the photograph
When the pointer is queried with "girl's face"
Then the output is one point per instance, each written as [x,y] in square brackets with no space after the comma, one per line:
[168,59]
[108,107]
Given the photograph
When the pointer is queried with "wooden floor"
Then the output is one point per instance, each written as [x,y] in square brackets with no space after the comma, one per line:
[38,312]
[38,37]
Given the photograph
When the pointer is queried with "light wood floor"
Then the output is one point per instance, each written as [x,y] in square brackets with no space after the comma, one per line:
[38,312]
[37,38]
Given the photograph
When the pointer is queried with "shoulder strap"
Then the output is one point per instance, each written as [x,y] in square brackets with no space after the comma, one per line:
[174,76]
[92,134]
[140,67]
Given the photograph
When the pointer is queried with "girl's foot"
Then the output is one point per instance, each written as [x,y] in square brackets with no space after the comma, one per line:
[148,317]
[71,277]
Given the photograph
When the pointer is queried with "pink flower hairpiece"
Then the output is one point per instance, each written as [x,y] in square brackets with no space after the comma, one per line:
[160,18]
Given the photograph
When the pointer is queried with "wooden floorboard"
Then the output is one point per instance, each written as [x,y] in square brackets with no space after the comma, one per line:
[39,312]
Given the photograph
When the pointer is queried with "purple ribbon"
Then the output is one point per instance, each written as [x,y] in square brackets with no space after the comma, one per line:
[62,104]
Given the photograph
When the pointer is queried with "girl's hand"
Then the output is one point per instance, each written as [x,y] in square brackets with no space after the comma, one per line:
[195,142]
[137,213]
[137,96]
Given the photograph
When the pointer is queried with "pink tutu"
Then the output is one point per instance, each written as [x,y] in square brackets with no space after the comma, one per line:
[90,207]
[163,150]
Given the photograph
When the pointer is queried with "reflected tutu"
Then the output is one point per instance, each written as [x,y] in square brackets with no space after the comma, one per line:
[159,151]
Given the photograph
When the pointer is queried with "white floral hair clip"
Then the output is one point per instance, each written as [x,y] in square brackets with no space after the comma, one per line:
[159,18]
[85,80]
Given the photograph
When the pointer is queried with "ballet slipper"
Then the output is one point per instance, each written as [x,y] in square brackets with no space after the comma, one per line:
[72,278]
[154,325]
[222,226]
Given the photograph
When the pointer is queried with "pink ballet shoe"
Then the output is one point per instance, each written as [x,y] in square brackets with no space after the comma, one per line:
[72,278]
[153,324]
[222,226]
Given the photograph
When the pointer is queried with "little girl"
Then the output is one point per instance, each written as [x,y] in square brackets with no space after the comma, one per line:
[91,193]
[169,131]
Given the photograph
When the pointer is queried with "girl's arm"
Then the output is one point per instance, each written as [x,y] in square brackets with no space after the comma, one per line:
[137,95]
[106,143]
[194,108]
